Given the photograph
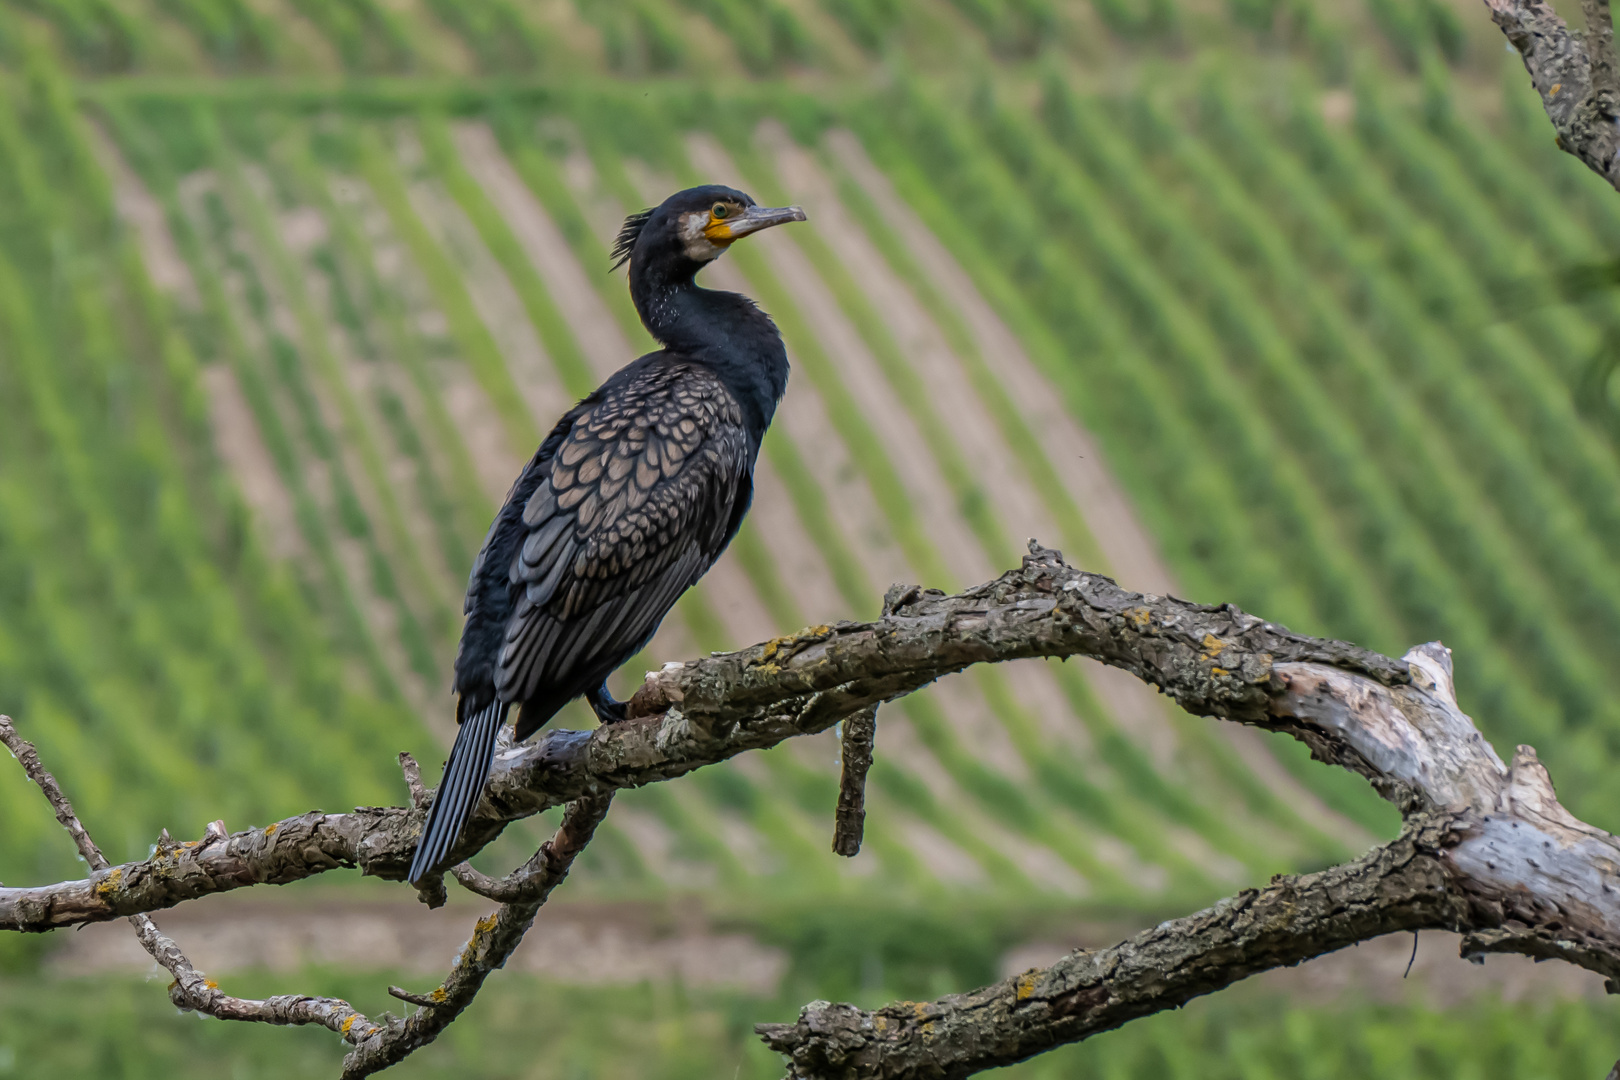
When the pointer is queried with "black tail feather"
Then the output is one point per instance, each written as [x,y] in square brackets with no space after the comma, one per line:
[460,790]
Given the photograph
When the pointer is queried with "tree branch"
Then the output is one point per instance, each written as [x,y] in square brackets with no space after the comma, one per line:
[1578,79]
[1486,851]
[705,711]
[494,937]
[1395,887]
[190,990]
[855,753]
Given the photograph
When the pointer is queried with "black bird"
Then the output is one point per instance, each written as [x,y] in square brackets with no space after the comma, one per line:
[629,500]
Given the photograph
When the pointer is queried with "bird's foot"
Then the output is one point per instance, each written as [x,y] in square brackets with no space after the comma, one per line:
[607,710]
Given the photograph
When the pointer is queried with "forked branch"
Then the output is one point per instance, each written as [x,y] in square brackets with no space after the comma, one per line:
[1486,849]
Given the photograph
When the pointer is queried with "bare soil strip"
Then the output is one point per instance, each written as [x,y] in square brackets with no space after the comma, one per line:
[998,473]
[492,294]
[799,563]
[1002,478]
[385,615]
[469,408]
[592,324]
[860,371]
[595,944]
[1131,553]
[144,215]
[303,231]
[379,614]
[241,448]
[236,434]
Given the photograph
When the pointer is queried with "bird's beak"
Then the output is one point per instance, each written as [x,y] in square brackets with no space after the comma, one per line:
[756,218]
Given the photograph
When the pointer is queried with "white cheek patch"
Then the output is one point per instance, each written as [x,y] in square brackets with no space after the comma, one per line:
[699,248]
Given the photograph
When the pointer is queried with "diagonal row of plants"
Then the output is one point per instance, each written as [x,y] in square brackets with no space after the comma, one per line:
[491,376]
[155,640]
[1355,383]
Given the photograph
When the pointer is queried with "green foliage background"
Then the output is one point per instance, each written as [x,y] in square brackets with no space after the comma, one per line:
[1295,264]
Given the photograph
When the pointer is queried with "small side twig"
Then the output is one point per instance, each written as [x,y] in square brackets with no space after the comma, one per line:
[506,890]
[427,1001]
[849,823]
[25,753]
[413,780]
[191,989]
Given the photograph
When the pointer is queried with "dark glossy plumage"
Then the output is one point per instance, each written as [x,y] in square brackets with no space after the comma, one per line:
[627,503]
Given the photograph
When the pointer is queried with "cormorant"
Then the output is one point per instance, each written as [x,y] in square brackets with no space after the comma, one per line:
[629,500]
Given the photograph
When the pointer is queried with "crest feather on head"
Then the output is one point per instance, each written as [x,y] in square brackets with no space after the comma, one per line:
[629,232]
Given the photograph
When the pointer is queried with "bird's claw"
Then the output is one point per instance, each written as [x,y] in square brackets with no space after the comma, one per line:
[607,710]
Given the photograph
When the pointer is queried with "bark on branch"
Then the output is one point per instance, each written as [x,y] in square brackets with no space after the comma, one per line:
[1486,850]
[1577,77]
[695,714]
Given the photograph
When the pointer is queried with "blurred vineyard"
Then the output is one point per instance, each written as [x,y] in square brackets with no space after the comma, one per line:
[1255,302]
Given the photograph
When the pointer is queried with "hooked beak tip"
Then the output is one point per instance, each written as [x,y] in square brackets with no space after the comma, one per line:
[763,217]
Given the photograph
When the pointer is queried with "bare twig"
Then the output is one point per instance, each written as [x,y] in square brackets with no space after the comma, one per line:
[24,752]
[190,989]
[427,1001]
[494,937]
[860,732]
[413,780]
[690,715]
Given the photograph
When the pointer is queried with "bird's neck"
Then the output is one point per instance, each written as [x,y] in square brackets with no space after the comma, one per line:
[724,331]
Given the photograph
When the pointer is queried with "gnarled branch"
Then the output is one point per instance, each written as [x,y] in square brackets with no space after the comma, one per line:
[1486,849]
[695,714]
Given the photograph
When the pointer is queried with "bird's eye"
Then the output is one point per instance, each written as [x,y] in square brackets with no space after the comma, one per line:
[720,210]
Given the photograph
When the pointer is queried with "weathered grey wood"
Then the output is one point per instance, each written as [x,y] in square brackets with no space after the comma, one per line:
[1486,849]
[1577,77]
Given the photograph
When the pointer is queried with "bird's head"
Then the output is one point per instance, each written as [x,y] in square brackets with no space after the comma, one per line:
[692,227]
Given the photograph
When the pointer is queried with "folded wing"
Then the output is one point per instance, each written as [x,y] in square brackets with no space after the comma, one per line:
[641,496]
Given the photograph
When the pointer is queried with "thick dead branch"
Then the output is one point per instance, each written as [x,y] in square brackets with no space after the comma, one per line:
[1400,886]
[695,714]
[1578,79]
[1487,851]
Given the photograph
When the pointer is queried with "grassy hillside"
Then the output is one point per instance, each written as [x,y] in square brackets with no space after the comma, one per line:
[290,288]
